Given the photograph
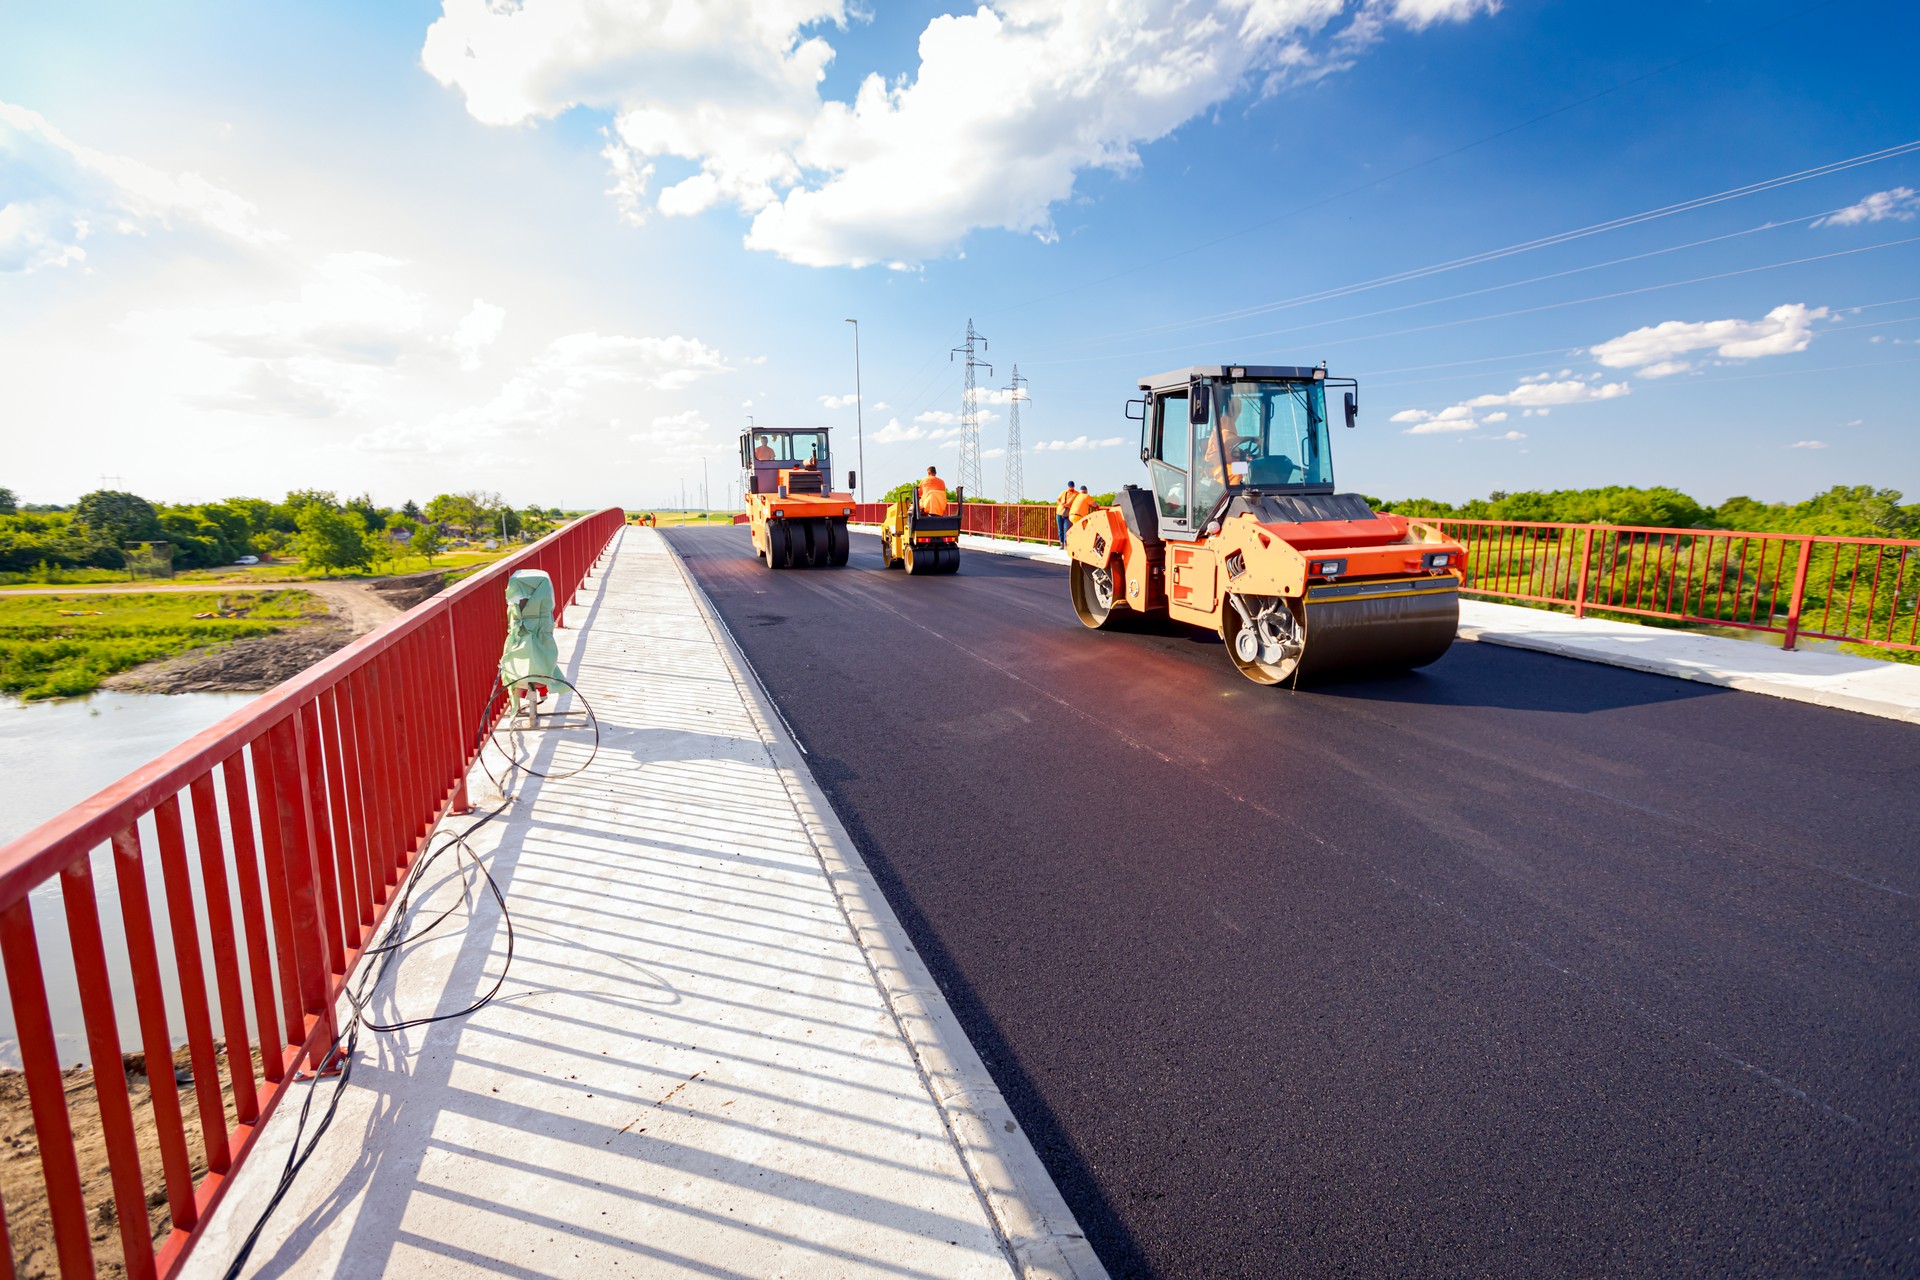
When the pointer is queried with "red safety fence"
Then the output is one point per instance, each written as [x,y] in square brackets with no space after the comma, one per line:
[280,834]
[1856,590]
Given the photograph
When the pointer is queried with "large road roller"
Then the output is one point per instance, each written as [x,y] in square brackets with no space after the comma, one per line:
[796,517]
[911,539]
[1240,531]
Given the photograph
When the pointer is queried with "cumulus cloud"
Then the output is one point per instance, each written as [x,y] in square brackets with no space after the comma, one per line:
[1534,396]
[1899,203]
[1783,330]
[1007,106]
[1076,444]
[839,402]
[665,364]
[79,191]
[881,406]
[476,332]
[895,434]
[1808,444]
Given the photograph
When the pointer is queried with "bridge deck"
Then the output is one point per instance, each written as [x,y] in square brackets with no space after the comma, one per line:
[690,1070]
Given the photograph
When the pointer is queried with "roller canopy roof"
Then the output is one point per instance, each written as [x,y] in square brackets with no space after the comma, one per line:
[1180,377]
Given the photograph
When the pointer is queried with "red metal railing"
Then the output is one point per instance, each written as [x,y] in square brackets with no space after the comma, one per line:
[280,833]
[1857,590]
[1020,523]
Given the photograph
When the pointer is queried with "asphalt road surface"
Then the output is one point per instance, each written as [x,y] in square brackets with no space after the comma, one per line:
[1516,966]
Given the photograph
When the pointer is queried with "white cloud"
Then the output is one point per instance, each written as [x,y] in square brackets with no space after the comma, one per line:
[839,402]
[1900,203]
[79,190]
[1076,444]
[1783,330]
[1808,444]
[476,332]
[1508,435]
[940,416]
[1006,108]
[1666,369]
[881,406]
[665,364]
[1532,396]
[679,435]
[894,433]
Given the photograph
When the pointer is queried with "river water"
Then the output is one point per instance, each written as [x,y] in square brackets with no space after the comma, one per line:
[54,755]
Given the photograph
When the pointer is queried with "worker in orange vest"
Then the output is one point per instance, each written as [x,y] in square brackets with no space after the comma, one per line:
[1062,505]
[1082,504]
[933,494]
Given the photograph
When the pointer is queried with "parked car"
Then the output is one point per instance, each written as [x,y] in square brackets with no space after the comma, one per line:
[248,560]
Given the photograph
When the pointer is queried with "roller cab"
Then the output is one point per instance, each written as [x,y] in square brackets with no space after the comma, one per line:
[911,539]
[1240,531]
[795,517]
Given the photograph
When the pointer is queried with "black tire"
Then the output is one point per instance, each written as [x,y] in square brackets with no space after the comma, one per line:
[779,546]
[949,559]
[839,542]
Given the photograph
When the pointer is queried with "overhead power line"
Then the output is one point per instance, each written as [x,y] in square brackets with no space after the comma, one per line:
[1795,16]
[1542,242]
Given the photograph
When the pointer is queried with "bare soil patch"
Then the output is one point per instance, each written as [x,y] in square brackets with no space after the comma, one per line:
[258,663]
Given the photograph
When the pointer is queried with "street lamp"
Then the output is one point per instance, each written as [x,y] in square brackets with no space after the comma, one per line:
[859,412]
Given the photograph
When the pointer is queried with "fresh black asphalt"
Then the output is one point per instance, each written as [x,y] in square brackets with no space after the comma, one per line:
[1514,966]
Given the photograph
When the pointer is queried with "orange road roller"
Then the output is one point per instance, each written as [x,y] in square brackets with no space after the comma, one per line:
[1240,531]
[796,517]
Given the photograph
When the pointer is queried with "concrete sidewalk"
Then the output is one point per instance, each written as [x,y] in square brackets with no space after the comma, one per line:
[1867,685]
[714,1054]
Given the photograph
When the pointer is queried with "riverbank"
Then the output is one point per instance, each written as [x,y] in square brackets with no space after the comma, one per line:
[70,643]
[23,1185]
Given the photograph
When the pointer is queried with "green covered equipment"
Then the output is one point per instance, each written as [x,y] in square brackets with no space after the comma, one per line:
[530,653]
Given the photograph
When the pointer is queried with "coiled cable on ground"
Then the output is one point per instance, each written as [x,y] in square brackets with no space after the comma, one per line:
[359,992]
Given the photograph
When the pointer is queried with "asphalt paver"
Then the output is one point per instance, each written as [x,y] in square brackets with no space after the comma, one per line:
[1512,966]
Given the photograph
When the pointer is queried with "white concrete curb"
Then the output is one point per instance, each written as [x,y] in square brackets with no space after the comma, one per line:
[1038,1230]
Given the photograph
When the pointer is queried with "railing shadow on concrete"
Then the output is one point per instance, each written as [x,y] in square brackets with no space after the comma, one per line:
[251,866]
[683,1072]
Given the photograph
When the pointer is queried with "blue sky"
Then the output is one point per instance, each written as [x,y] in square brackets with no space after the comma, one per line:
[563,250]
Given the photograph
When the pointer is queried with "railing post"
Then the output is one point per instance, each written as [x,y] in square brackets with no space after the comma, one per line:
[1586,565]
[461,805]
[1799,593]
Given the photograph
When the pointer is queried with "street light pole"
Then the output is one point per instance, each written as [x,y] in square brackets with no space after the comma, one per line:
[859,412]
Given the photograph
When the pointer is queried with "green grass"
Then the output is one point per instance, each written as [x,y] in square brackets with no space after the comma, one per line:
[45,654]
[461,561]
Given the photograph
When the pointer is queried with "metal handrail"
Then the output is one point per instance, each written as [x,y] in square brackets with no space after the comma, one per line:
[303,808]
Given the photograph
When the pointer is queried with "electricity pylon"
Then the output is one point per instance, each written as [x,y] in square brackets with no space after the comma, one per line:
[970,478]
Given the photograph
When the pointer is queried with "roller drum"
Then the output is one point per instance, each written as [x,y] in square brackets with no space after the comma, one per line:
[1392,632]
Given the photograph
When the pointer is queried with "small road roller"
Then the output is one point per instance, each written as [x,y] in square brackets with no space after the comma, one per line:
[796,517]
[920,543]
[1240,531]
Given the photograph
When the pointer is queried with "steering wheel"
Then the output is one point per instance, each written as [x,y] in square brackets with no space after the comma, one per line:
[1246,449]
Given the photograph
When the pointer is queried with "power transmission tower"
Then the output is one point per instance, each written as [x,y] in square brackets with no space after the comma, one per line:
[970,478]
[1016,392]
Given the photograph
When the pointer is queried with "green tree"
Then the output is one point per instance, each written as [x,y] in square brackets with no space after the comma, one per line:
[455,509]
[9,505]
[410,510]
[115,518]
[425,540]
[331,539]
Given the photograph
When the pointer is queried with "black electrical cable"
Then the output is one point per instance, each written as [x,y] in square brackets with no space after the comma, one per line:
[346,1039]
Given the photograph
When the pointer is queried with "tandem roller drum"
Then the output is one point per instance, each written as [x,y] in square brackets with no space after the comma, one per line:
[1356,626]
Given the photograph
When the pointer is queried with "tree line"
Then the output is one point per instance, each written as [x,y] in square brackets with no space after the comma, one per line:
[314,526]
[1852,511]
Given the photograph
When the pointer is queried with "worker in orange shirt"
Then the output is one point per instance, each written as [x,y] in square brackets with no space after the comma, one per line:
[1062,505]
[1082,504]
[933,494]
